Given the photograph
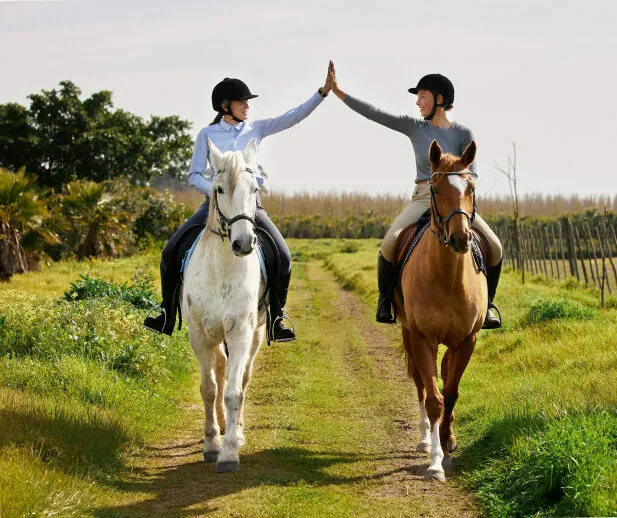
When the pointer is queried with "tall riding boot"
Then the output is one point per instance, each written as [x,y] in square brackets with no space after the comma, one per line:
[492,279]
[166,320]
[278,298]
[385,278]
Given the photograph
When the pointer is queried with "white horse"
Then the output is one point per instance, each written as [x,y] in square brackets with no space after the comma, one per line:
[220,296]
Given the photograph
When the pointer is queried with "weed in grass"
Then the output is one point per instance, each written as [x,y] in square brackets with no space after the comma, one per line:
[544,310]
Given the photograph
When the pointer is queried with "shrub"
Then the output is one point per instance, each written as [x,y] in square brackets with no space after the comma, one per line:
[139,294]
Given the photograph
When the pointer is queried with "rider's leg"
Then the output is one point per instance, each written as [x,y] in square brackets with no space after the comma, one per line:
[419,203]
[280,284]
[171,260]
[493,270]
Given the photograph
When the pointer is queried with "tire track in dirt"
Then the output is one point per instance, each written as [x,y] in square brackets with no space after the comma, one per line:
[405,465]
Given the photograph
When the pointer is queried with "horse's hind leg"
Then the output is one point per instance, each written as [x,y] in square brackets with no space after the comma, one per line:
[239,346]
[219,369]
[424,425]
[453,365]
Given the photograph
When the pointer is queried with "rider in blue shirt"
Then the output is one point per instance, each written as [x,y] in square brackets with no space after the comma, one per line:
[231,130]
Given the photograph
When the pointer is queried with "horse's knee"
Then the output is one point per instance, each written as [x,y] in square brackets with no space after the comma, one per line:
[234,399]
[434,408]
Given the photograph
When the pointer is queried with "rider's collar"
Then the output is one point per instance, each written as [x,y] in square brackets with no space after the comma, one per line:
[228,127]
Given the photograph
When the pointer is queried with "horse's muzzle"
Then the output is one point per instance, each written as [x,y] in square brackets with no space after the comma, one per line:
[460,244]
[242,247]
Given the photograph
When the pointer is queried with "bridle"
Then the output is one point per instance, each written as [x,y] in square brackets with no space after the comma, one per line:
[442,233]
[225,223]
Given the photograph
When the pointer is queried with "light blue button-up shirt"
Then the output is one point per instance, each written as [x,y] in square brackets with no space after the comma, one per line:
[235,138]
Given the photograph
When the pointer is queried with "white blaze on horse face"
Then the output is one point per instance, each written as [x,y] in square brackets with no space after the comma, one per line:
[459,183]
[244,202]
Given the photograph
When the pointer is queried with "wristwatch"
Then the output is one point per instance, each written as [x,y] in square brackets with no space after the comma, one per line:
[321,92]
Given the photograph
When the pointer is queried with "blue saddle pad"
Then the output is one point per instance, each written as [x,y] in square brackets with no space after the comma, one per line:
[189,254]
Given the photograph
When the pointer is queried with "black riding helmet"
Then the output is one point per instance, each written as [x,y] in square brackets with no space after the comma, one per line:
[436,84]
[230,89]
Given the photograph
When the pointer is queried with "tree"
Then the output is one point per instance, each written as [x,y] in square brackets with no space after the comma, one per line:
[61,138]
[511,174]
[23,218]
[98,226]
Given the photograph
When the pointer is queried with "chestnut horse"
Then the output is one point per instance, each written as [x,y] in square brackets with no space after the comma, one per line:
[445,300]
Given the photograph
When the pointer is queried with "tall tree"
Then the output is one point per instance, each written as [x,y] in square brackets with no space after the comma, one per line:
[61,138]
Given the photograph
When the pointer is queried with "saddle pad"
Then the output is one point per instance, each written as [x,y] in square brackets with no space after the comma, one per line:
[260,256]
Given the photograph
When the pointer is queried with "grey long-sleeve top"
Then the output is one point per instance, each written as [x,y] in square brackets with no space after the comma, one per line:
[420,132]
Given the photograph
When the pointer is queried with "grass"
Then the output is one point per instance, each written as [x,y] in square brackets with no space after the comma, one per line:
[82,387]
[536,419]
[538,408]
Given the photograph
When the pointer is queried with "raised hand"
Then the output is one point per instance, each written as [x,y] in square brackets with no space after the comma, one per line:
[333,83]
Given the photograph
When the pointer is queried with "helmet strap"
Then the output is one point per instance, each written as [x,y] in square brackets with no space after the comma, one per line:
[230,113]
[435,106]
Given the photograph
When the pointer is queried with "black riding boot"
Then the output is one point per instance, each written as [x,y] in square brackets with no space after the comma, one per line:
[385,278]
[278,297]
[166,320]
[492,279]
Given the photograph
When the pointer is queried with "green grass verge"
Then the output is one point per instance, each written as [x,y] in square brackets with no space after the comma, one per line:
[537,415]
[82,386]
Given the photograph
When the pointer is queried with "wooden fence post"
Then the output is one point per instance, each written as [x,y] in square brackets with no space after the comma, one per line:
[572,251]
[556,251]
[580,247]
[563,254]
[550,254]
[593,250]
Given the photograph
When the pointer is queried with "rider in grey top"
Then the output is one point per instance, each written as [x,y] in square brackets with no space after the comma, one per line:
[435,97]
[420,132]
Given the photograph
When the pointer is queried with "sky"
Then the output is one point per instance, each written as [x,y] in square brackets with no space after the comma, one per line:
[541,73]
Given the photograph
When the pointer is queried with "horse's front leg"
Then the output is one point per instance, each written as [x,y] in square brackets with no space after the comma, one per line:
[258,337]
[424,356]
[424,444]
[208,389]
[453,365]
[239,341]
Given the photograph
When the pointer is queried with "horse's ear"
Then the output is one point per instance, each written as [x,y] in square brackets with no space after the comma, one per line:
[216,157]
[250,153]
[434,153]
[469,154]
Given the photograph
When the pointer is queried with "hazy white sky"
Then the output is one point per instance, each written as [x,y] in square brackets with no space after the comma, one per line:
[540,72]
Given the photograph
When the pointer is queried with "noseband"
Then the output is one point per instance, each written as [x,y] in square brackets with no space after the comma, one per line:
[225,223]
[442,234]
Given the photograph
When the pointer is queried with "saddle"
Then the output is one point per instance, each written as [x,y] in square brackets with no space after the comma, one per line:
[410,236]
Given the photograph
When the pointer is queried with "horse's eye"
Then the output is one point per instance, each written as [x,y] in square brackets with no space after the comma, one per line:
[219,190]
[256,189]
[435,190]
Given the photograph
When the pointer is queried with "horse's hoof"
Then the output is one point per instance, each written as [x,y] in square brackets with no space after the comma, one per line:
[434,474]
[424,447]
[452,444]
[211,456]
[228,466]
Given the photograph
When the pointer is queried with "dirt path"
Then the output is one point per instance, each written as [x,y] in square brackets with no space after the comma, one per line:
[331,427]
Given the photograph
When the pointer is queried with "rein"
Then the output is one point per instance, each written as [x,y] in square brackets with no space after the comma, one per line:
[225,223]
[443,234]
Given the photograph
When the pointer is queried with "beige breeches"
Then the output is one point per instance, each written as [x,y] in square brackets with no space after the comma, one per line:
[420,202]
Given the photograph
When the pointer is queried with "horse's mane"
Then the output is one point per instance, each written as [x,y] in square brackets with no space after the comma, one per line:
[227,177]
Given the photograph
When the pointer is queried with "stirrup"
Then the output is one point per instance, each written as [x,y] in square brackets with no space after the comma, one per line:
[163,312]
[283,316]
[391,316]
[492,306]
